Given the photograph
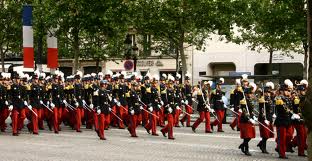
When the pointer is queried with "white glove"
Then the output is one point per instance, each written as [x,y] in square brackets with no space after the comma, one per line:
[109,98]
[76,104]
[170,110]
[132,112]
[240,110]
[150,109]
[6,103]
[25,103]
[274,116]
[109,109]
[64,101]
[186,102]
[232,109]
[267,122]
[48,103]
[162,103]
[91,106]
[30,107]
[255,118]
[52,105]
[178,108]
[295,117]
[115,100]
[193,99]
[182,102]
[11,107]
[159,106]
[141,107]
[118,104]
[84,102]
[98,111]
[252,121]
[41,102]
[212,110]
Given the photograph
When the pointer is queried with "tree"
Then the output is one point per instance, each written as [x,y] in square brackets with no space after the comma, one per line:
[79,24]
[177,24]
[269,28]
[11,30]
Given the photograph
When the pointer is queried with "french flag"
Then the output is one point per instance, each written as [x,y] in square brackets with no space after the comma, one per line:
[28,37]
[52,54]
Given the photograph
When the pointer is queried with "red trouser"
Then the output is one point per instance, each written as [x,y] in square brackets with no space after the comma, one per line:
[161,116]
[60,115]
[34,120]
[96,121]
[236,120]
[169,127]
[145,114]
[220,115]
[289,136]
[56,119]
[152,123]
[186,117]
[177,117]
[301,138]
[4,114]
[89,119]
[18,116]
[101,118]
[120,114]
[281,139]
[133,124]
[78,115]
[203,115]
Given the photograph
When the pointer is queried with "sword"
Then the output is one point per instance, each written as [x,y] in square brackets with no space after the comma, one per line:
[264,126]
[117,116]
[231,110]
[85,107]
[46,107]
[206,105]
[185,112]
[150,113]
[33,112]
[69,106]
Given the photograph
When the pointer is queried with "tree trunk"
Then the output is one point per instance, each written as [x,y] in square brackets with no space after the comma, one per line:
[2,59]
[305,61]
[177,60]
[308,101]
[97,64]
[182,55]
[270,62]
[76,48]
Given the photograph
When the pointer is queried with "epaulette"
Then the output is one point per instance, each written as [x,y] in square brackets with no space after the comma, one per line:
[296,101]
[8,87]
[242,102]
[86,86]
[232,91]
[128,94]
[214,91]
[28,87]
[148,90]
[261,100]
[279,101]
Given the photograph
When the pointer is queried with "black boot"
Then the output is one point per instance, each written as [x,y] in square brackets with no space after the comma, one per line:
[242,147]
[247,150]
[263,149]
[260,144]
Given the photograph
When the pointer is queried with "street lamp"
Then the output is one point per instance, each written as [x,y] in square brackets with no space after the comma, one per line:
[131,51]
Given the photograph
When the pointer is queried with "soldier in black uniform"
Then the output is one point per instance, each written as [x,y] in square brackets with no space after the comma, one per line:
[164,101]
[4,110]
[103,108]
[187,97]
[78,99]
[56,99]
[235,96]
[134,108]
[36,94]
[218,106]
[17,97]
[170,109]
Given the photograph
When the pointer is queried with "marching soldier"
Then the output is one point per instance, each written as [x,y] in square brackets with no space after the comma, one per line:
[17,104]
[103,108]
[178,99]
[282,121]
[163,96]
[134,108]
[235,97]
[265,116]
[4,110]
[78,100]
[203,107]
[187,95]
[218,105]
[170,109]
[247,119]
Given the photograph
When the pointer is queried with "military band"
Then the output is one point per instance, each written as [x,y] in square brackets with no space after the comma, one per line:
[100,101]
